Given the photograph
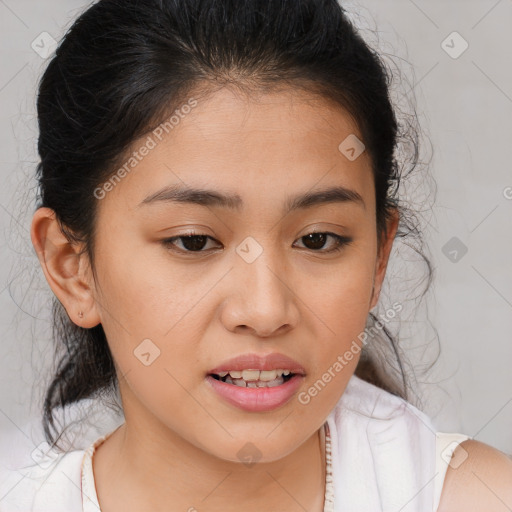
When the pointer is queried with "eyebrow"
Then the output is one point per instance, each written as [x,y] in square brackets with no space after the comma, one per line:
[205,197]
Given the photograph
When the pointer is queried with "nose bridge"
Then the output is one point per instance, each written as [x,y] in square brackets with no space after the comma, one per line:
[261,298]
[259,267]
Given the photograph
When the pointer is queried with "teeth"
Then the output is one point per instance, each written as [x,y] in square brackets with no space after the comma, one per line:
[255,384]
[268,375]
[260,383]
[254,378]
[255,375]
[248,375]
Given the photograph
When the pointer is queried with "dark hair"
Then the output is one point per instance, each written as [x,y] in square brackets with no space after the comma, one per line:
[125,65]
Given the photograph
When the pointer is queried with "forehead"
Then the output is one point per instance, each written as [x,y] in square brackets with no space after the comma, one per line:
[271,144]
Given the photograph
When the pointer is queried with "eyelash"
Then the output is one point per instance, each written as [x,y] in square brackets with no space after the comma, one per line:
[341,242]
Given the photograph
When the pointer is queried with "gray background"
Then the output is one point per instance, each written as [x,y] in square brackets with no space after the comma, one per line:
[464,106]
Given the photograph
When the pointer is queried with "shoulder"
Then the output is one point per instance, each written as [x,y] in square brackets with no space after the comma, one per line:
[481,479]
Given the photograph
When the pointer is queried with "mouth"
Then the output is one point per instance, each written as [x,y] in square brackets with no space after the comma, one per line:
[254,378]
[256,382]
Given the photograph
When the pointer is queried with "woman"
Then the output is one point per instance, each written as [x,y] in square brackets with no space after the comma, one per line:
[218,206]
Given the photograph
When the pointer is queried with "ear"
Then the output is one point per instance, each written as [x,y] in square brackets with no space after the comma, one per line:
[385,245]
[66,271]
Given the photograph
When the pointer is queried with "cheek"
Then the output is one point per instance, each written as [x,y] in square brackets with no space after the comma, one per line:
[341,296]
[339,307]
[148,318]
[343,310]
[140,296]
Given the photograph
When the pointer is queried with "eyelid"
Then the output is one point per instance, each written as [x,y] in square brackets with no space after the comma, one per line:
[170,245]
[340,240]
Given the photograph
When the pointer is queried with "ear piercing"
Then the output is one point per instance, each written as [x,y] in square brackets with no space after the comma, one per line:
[80,314]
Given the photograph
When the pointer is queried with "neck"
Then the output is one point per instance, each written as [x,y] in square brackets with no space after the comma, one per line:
[190,479]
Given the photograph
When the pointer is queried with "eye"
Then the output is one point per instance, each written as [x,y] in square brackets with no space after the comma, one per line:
[316,240]
[190,243]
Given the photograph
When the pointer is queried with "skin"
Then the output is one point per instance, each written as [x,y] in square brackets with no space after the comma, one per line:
[200,309]
[483,481]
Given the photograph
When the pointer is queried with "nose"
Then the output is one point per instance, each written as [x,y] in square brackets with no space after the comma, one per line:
[260,299]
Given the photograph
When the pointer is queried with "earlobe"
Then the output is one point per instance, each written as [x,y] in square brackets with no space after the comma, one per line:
[63,268]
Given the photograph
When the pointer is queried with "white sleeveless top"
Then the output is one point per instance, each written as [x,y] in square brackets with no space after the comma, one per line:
[382,454]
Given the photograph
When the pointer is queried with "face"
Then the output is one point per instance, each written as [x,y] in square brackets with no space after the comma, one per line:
[253,278]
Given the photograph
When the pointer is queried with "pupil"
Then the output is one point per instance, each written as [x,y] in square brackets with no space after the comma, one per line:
[191,242]
[315,237]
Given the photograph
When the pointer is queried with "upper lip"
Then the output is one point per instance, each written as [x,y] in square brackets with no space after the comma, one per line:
[273,361]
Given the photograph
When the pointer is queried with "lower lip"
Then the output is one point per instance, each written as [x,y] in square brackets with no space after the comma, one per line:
[257,399]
